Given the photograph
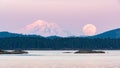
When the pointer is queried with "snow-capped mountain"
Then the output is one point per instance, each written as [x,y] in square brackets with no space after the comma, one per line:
[44,28]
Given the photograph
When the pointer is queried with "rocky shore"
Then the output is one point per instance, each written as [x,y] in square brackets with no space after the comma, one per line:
[88,51]
[13,52]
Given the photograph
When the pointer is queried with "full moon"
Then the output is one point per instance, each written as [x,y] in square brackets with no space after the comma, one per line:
[89,29]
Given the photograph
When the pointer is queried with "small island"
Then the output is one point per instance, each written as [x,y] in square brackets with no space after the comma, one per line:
[13,52]
[88,51]
[67,52]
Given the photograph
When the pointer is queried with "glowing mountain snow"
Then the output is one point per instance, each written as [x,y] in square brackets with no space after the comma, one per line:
[44,28]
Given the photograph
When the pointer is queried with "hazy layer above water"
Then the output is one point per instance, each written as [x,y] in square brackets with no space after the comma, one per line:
[58,59]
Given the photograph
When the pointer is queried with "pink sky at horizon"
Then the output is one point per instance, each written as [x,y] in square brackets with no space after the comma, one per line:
[70,15]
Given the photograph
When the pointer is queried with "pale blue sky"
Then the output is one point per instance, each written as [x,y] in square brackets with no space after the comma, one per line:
[71,15]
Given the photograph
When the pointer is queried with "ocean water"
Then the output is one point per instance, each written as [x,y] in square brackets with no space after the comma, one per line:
[59,59]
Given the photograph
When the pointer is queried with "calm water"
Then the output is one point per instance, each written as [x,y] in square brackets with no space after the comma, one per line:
[59,59]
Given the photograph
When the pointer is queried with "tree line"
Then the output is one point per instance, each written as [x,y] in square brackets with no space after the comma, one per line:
[69,43]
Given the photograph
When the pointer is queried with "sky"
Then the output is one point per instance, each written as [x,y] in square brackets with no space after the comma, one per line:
[71,15]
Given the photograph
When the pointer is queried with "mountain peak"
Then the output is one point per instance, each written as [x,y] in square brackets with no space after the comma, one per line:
[44,28]
[40,22]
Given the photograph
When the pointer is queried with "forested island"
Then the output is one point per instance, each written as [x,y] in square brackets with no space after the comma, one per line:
[109,40]
[69,43]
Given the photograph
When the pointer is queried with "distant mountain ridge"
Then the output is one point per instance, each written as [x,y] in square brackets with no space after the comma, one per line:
[5,34]
[108,34]
[115,33]
[8,34]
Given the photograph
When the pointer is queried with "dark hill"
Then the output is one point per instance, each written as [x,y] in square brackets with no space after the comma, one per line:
[6,34]
[109,34]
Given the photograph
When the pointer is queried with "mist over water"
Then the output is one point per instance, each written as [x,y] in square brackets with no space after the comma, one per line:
[58,59]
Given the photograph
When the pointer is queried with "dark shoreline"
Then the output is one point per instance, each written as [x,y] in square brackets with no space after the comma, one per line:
[88,51]
[13,52]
